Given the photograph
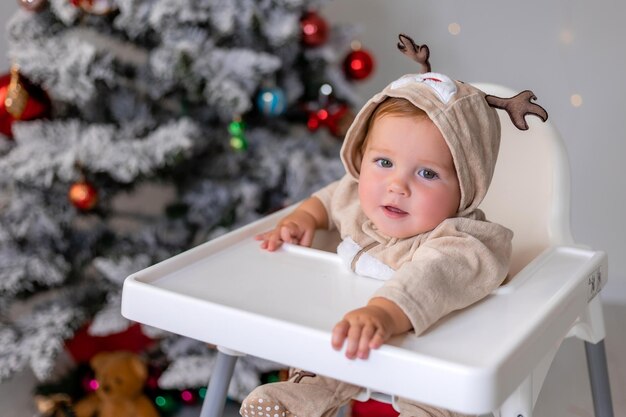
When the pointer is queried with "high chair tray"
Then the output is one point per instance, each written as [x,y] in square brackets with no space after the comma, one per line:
[283,305]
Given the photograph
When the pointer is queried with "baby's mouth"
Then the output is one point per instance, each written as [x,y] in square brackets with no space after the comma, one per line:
[394,211]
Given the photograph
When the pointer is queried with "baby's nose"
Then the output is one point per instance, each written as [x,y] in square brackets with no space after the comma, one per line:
[398,186]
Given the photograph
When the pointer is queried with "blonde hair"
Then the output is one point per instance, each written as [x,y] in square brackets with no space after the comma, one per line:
[391,106]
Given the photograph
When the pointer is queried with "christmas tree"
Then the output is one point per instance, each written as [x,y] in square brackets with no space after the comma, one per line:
[133,130]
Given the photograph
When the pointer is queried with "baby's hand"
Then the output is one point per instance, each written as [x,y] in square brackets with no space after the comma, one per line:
[364,328]
[289,232]
[297,228]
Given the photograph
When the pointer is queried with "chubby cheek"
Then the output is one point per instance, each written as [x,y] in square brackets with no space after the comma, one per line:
[438,205]
[368,193]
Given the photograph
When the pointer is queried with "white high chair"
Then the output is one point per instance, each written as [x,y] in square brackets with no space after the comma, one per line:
[491,357]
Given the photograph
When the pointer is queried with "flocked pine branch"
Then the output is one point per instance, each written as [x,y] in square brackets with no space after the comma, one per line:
[37,337]
[108,320]
[51,151]
[195,370]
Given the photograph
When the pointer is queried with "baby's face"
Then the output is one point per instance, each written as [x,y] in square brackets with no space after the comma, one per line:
[407,183]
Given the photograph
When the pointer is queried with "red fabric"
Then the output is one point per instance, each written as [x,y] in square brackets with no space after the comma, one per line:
[82,347]
[372,408]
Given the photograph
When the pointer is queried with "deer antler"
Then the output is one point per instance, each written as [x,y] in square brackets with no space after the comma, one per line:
[518,107]
[419,53]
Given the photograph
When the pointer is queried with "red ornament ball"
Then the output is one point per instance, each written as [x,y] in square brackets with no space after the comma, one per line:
[337,117]
[37,104]
[358,64]
[83,195]
[97,7]
[314,29]
[32,5]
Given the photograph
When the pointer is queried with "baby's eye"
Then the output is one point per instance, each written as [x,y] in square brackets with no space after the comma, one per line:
[384,163]
[427,174]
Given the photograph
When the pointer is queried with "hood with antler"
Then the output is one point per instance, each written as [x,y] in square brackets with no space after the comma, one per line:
[464,114]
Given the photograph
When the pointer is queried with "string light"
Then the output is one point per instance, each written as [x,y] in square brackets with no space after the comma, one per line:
[166,403]
[576,100]
[566,36]
[186,395]
[454,28]
[326,89]
[93,384]
[355,45]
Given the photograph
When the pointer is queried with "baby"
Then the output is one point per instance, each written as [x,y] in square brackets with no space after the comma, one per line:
[419,158]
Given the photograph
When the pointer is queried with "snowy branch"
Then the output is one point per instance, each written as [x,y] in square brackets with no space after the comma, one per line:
[50,151]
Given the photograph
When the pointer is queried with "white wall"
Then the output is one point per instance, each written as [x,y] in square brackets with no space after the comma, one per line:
[520,44]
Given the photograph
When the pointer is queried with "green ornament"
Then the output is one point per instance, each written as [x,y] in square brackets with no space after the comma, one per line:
[236,128]
[239,143]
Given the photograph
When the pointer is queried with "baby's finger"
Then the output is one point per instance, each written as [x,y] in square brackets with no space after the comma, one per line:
[354,335]
[288,233]
[340,332]
[307,238]
[274,242]
[377,340]
[364,342]
[264,238]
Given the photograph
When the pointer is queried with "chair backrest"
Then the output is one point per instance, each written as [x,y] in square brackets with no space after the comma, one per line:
[530,191]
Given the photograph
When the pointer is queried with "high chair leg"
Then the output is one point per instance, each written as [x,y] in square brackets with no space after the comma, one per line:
[215,399]
[599,378]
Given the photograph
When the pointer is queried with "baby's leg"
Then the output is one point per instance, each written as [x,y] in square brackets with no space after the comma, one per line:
[415,409]
[305,394]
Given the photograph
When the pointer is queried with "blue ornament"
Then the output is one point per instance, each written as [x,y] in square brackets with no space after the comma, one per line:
[271,101]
